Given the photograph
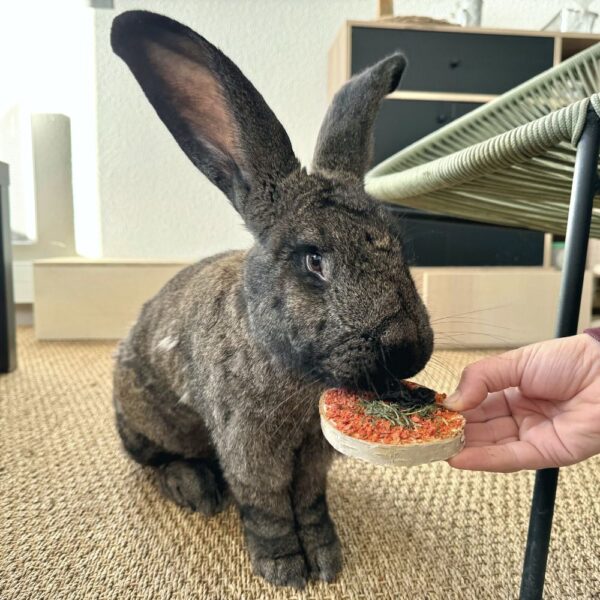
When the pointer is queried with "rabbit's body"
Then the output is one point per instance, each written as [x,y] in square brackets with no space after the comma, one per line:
[190,372]
[217,384]
[191,385]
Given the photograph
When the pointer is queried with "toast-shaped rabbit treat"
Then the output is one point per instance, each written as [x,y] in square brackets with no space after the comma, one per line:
[217,385]
[410,427]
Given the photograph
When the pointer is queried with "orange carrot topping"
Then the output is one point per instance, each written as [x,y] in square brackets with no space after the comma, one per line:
[349,412]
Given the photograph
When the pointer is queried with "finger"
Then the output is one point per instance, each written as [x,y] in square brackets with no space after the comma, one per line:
[494,406]
[492,432]
[488,375]
[482,443]
[503,458]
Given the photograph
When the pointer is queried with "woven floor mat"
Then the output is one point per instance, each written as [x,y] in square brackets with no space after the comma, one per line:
[80,520]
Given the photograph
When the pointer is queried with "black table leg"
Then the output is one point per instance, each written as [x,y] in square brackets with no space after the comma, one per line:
[8,354]
[585,185]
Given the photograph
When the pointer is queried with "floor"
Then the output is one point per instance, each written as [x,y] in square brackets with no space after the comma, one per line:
[80,520]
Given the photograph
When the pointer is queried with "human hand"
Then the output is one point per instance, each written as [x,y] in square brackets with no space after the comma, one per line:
[531,408]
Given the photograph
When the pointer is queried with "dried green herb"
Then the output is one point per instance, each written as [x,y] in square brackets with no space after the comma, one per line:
[397,413]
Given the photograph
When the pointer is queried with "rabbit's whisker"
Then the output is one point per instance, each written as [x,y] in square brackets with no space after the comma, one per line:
[467,321]
[305,409]
[491,336]
[469,312]
[273,409]
[436,362]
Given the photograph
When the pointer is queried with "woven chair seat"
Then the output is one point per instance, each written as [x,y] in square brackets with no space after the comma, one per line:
[509,162]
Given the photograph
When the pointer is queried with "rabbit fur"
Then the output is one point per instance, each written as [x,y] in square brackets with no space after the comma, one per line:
[217,384]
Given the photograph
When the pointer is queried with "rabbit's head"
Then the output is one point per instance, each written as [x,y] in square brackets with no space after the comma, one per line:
[326,288]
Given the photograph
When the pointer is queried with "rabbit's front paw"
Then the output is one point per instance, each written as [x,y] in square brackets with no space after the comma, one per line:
[325,562]
[287,570]
[320,541]
[195,484]
[275,550]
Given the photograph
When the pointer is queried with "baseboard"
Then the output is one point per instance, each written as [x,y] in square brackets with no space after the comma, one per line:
[469,307]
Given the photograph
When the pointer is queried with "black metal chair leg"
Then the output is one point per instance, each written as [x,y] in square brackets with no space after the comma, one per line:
[585,184]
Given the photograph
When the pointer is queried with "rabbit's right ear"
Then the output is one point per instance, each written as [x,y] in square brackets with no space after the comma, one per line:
[216,115]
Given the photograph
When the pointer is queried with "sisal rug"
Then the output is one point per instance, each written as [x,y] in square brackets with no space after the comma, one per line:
[80,521]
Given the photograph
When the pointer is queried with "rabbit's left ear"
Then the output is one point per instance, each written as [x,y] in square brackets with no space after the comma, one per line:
[345,140]
[215,114]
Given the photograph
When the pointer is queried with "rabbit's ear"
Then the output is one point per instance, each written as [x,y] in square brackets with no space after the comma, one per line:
[216,115]
[345,139]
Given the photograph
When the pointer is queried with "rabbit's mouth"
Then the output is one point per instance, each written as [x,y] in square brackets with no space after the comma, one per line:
[381,370]
[397,363]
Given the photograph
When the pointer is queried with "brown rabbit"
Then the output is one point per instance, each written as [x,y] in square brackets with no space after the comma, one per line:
[217,384]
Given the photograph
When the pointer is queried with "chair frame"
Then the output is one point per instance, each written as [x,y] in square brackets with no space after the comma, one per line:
[584,186]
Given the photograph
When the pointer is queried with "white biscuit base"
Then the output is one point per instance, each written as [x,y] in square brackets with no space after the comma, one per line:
[402,455]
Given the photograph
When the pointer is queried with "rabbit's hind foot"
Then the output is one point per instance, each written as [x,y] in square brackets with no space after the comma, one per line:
[194,483]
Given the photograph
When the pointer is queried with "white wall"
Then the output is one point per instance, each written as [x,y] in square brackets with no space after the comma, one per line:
[153,202]
[47,65]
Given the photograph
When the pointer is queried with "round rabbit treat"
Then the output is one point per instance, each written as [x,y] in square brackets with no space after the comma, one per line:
[410,428]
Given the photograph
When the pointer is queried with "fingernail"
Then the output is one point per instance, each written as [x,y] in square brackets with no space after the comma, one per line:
[452,399]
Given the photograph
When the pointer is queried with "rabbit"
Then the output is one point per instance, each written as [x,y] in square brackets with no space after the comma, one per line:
[216,386]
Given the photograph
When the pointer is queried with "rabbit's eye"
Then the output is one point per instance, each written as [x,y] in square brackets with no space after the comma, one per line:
[314,263]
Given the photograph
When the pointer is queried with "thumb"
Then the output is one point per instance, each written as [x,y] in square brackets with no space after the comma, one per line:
[488,375]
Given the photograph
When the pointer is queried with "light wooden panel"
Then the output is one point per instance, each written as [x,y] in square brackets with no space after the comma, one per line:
[558,48]
[94,300]
[385,8]
[571,44]
[440,96]
[469,307]
[338,62]
[496,307]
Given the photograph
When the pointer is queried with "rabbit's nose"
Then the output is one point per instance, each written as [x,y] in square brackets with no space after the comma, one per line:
[399,334]
[404,350]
